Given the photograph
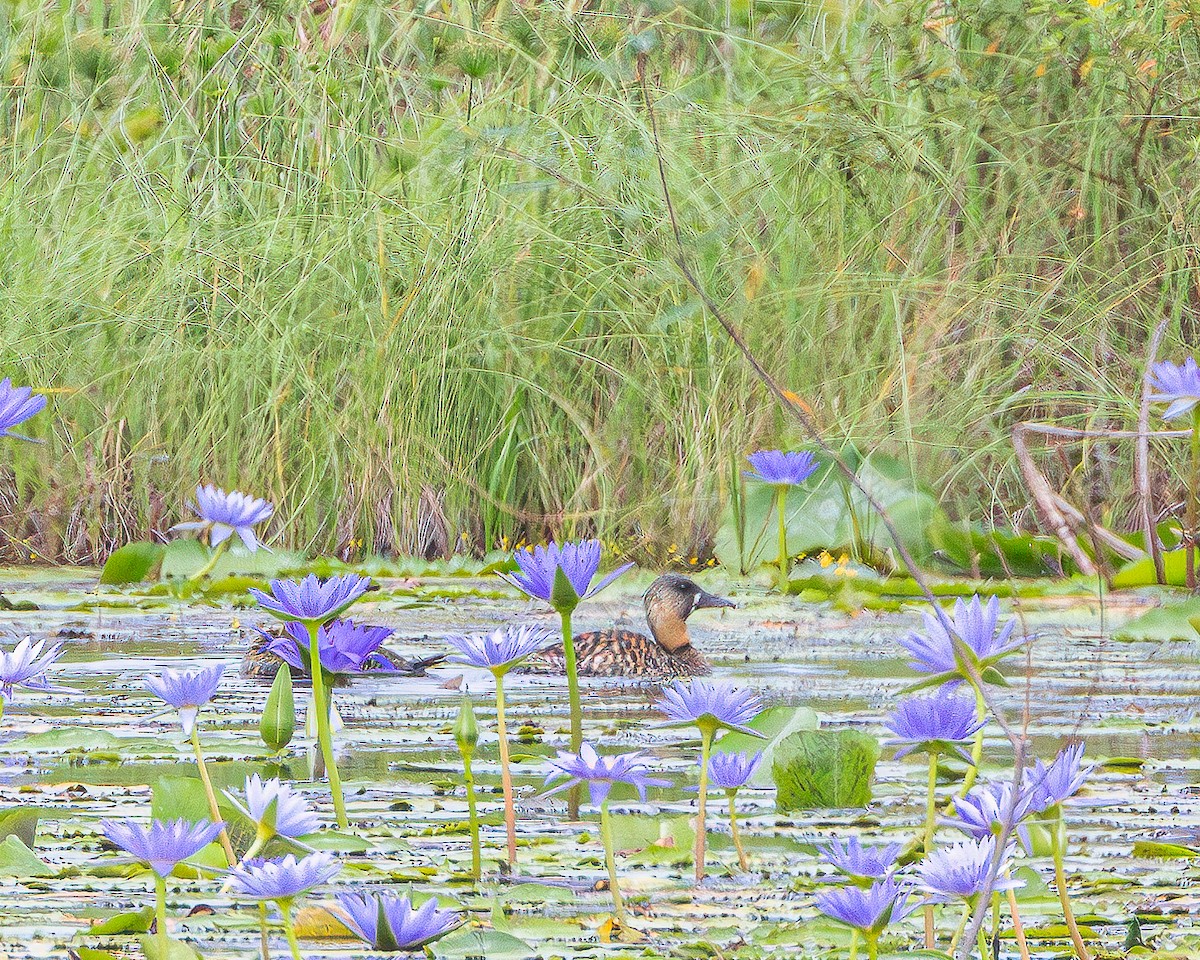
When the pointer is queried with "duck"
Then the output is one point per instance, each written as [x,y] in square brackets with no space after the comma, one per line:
[259,663]
[666,655]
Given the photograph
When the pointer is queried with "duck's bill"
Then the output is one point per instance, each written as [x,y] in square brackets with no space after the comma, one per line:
[712,600]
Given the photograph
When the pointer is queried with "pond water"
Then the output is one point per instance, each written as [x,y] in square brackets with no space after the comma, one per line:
[91,753]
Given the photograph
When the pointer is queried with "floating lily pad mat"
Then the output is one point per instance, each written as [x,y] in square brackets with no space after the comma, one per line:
[73,756]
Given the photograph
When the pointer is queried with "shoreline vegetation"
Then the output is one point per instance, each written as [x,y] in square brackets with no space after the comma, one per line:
[407,273]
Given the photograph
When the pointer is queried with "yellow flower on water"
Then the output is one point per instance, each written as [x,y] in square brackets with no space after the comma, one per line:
[824,558]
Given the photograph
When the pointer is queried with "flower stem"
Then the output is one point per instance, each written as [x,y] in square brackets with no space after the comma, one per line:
[872,948]
[213,557]
[252,851]
[473,819]
[3,703]
[958,931]
[510,813]
[1060,881]
[289,929]
[976,747]
[743,860]
[854,944]
[610,862]
[706,742]
[1018,926]
[213,810]
[160,913]
[322,706]
[568,639]
[263,933]
[930,826]
[1193,501]
[780,505]
[982,943]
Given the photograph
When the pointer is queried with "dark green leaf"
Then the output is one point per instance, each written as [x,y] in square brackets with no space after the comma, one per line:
[132,563]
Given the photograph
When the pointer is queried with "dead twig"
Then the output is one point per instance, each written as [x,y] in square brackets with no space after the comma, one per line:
[1055,513]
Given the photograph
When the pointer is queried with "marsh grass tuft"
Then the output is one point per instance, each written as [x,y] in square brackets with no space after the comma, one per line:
[416,286]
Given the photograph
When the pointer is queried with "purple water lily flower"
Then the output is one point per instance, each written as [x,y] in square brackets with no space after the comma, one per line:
[277,808]
[402,927]
[579,562]
[859,862]
[17,404]
[25,666]
[1053,784]
[283,880]
[165,844]
[187,691]
[985,809]
[226,513]
[959,871]
[312,600]
[600,773]
[940,723]
[732,771]
[343,646]
[1177,385]
[975,624]
[501,649]
[869,909]
[707,703]
[782,468]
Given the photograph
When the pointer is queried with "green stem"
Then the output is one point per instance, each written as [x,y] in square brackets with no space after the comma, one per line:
[289,929]
[213,810]
[510,812]
[160,913]
[213,557]
[930,826]
[322,708]
[958,931]
[263,932]
[472,819]
[706,742]
[576,706]
[1193,501]
[982,944]
[872,948]
[260,841]
[854,943]
[743,860]
[780,508]
[1060,881]
[3,704]
[976,746]
[609,861]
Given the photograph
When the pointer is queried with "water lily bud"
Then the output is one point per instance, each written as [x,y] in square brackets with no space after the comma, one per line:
[278,721]
[465,729]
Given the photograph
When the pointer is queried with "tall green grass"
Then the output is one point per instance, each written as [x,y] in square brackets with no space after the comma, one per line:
[416,285]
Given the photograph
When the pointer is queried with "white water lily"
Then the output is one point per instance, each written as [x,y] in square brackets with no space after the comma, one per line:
[26,665]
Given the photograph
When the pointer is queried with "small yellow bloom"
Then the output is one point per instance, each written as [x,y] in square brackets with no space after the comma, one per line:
[824,558]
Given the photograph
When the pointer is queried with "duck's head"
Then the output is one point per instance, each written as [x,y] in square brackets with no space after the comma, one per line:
[670,600]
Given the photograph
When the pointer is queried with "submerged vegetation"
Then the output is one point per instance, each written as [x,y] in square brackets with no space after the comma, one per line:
[406,271]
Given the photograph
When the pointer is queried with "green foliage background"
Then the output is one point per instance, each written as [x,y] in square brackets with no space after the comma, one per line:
[404,270]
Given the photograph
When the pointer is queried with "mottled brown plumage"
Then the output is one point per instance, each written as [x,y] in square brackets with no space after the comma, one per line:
[667,654]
